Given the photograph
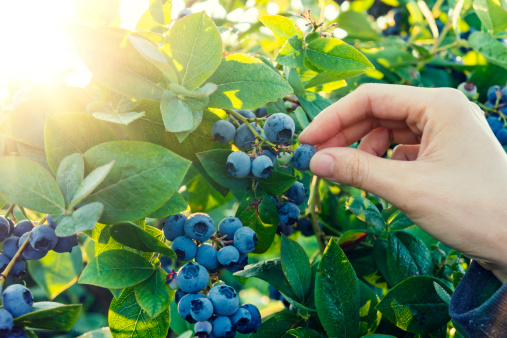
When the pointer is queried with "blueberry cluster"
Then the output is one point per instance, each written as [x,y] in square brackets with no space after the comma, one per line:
[497,99]
[17,301]
[288,211]
[41,238]
[218,314]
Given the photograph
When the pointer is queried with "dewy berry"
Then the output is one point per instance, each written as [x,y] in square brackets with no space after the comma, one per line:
[6,322]
[225,299]
[288,213]
[245,240]
[261,112]
[179,295]
[22,227]
[19,268]
[493,93]
[296,193]
[4,261]
[192,277]
[279,128]
[199,227]
[246,113]
[174,227]
[262,167]
[255,318]
[223,131]
[228,226]
[241,319]
[5,228]
[201,309]
[271,153]
[184,306]
[239,265]
[202,329]
[10,246]
[238,164]
[17,299]
[207,256]
[43,237]
[65,244]
[30,253]
[222,327]
[302,156]
[244,138]
[228,255]
[185,248]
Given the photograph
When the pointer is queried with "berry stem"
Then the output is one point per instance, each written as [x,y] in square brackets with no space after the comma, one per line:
[11,208]
[252,129]
[5,273]
[313,201]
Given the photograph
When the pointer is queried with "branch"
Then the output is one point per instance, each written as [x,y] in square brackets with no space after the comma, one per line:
[313,202]
[252,129]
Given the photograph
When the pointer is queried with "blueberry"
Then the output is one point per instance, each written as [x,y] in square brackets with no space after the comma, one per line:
[200,227]
[65,244]
[30,253]
[222,327]
[241,319]
[274,293]
[261,112]
[246,113]
[5,228]
[225,299]
[174,227]
[495,124]
[244,138]
[4,261]
[19,268]
[302,156]
[17,332]
[172,280]
[501,135]
[504,94]
[184,306]
[22,227]
[207,256]
[178,295]
[184,247]
[6,322]
[43,237]
[10,246]
[492,96]
[296,193]
[284,158]
[279,128]
[228,226]
[288,213]
[245,240]
[228,255]
[238,164]
[17,299]
[201,309]
[284,229]
[239,265]
[255,318]
[306,227]
[223,131]
[203,329]
[468,88]
[262,167]
[271,153]
[192,277]
[50,221]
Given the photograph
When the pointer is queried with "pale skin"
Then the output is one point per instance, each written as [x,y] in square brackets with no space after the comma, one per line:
[448,172]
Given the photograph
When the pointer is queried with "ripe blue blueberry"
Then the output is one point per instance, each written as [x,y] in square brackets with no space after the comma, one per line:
[172,280]
[65,244]
[246,113]
[269,152]
[285,229]
[492,93]
[6,322]
[185,248]
[228,226]
[201,309]
[239,265]
[261,112]
[203,329]
[495,124]
[192,277]
[4,261]
[18,269]
[274,293]
[244,138]
[30,253]
[302,156]
[288,213]
[22,227]
[43,237]
[223,131]
[504,94]
[185,304]
[222,327]
[241,319]
[10,246]
[255,318]
[17,332]
[178,295]
[17,299]
[501,135]
[228,255]
[262,167]
[5,228]
[225,299]
[200,227]
[306,227]
[238,164]
[174,226]
[279,128]
[207,256]
[245,240]
[296,193]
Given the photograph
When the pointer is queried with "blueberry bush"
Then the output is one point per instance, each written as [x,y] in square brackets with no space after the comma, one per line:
[170,196]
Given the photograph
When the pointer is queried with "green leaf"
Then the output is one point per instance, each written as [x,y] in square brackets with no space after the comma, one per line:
[196,100]
[442,293]
[176,114]
[84,218]
[301,117]
[291,54]
[98,333]
[321,79]
[154,295]
[119,118]
[282,27]
[337,293]
[276,184]
[304,332]
[491,14]
[357,25]
[174,205]
[71,133]
[315,106]
[380,255]
[276,325]
[245,82]
[418,312]
[399,221]
[369,317]
[407,256]
[116,269]
[333,55]
[127,319]
[50,316]
[494,51]
[292,75]
[27,183]
[196,48]
[91,181]
[296,267]
[96,12]
[214,161]
[271,272]
[69,175]
[113,60]
[140,169]
[133,236]
[365,210]
[56,272]
[263,219]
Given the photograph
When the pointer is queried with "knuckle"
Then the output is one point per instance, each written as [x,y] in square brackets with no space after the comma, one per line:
[357,171]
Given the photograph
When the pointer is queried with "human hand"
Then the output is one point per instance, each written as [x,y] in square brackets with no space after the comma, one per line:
[448,173]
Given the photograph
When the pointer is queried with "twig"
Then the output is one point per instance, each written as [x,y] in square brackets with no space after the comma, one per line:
[312,203]
[11,207]
[252,129]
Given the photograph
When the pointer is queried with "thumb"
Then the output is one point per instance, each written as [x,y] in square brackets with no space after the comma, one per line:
[354,167]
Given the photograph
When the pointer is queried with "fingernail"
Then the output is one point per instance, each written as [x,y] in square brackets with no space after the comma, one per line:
[322,165]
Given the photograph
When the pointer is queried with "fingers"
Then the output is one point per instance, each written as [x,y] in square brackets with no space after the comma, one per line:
[405,152]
